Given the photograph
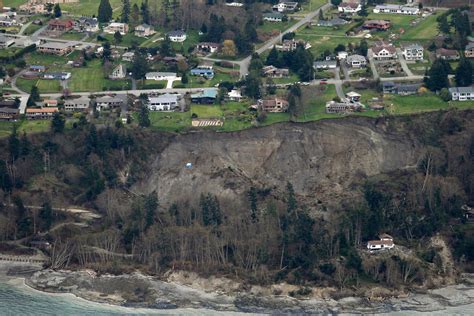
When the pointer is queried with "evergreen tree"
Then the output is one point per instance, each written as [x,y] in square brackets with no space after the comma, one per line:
[210,210]
[145,11]
[363,10]
[252,85]
[336,2]
[151,206]
[105,11]
[252,195]
[139,66]
[5,180]
[291,105]
[25,146]
[165,48]
[34,96]
[443,24]
[438,76]
[464,74]
[125,18]
[57,123]
[57,10]
[135,15]
[184,78]
[321,15]
[117,38]
[363,48]
[46,216]
[291,204]
[251,30]
[143,114]
[14,146]
[273,57]
[203,28]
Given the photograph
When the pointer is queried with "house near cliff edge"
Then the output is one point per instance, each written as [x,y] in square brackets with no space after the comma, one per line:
[385,242]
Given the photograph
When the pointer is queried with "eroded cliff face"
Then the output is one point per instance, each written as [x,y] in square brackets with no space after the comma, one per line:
[323,160]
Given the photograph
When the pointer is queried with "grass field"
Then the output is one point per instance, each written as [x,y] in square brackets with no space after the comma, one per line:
[24,126]
[207,111]
[13,3]
[44,86]
[423,31]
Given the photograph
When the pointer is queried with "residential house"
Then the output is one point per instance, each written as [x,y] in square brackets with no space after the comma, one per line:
[79,104]
[9,113]
[234,4]
[144,30]
[462,93]
[206,96]
[9,110]
[273,105]
[174,60]
[115,27]
[447,54]
[356,61]
[55,48]
[57,75]
[332,22]
[49,103]
[203,71]
[6,41]
[86,24]
[379,25]
[161,76]
[325,64]
[353,96]
[60,25]
[7,21]
[118,72]
[291,45]
[108,102]
[234,95]
[469,50]
[40,113]
[413,52]
[400,88]
[208,47]
[274,72]
[342,55]
[333,107]
[396,9]
[285,6]
[177,36]
[165,102]
[349,7]
[128,56]
[385,242]
[383,51]
[273,17]
[37,68]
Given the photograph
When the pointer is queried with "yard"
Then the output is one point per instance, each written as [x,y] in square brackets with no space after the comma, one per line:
[423,31]
[44,86]
[421,103]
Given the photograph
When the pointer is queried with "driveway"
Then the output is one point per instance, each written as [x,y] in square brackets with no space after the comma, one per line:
[403,62]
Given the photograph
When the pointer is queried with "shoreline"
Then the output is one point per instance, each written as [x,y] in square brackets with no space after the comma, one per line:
[178,294]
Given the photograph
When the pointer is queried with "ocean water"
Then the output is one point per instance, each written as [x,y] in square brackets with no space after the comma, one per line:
[16,299]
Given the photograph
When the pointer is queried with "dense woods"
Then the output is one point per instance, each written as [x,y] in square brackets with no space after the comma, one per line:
[275,237]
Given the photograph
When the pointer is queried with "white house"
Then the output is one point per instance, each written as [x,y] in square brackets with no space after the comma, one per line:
[128,56]
[161,76]
[385,242]
[114,27]
[396,9]
[342,55]
[177,36]
[144,30]
[285,6]
[80,104]
[325,64]
[413,52]
[349,7]
[164,102]
[273,17]
[208,47]
[119,72]
[356,61]
[234,95]
[383,51]
[462,93]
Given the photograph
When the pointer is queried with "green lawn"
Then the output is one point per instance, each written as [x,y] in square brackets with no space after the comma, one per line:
[196,82]
[24,126]
[7,52]
[269,27]
[311,5]
[421,103]
[207,111]
[151,84]
[425,30]
[13,3]
[90,7]
[128,40]
[44,86]
[31,29]
[170,121]
[73,36]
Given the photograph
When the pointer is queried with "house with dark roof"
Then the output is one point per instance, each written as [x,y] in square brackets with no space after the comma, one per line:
[379,25]
[447,54]
[469,50]
[391,87]
[177,36]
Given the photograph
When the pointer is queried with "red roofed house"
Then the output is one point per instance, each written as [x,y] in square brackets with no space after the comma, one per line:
[40,113]
[380,25]
[60,25]
[385,242]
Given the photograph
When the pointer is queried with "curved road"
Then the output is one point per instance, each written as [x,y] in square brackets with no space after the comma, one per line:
[244,63]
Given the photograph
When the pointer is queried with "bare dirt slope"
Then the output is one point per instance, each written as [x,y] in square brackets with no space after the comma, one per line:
[322,160]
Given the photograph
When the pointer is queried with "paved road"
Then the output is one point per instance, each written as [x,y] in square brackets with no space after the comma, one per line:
[375,73]
[403,62]
[24,27]
[244,63]
[338,84]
